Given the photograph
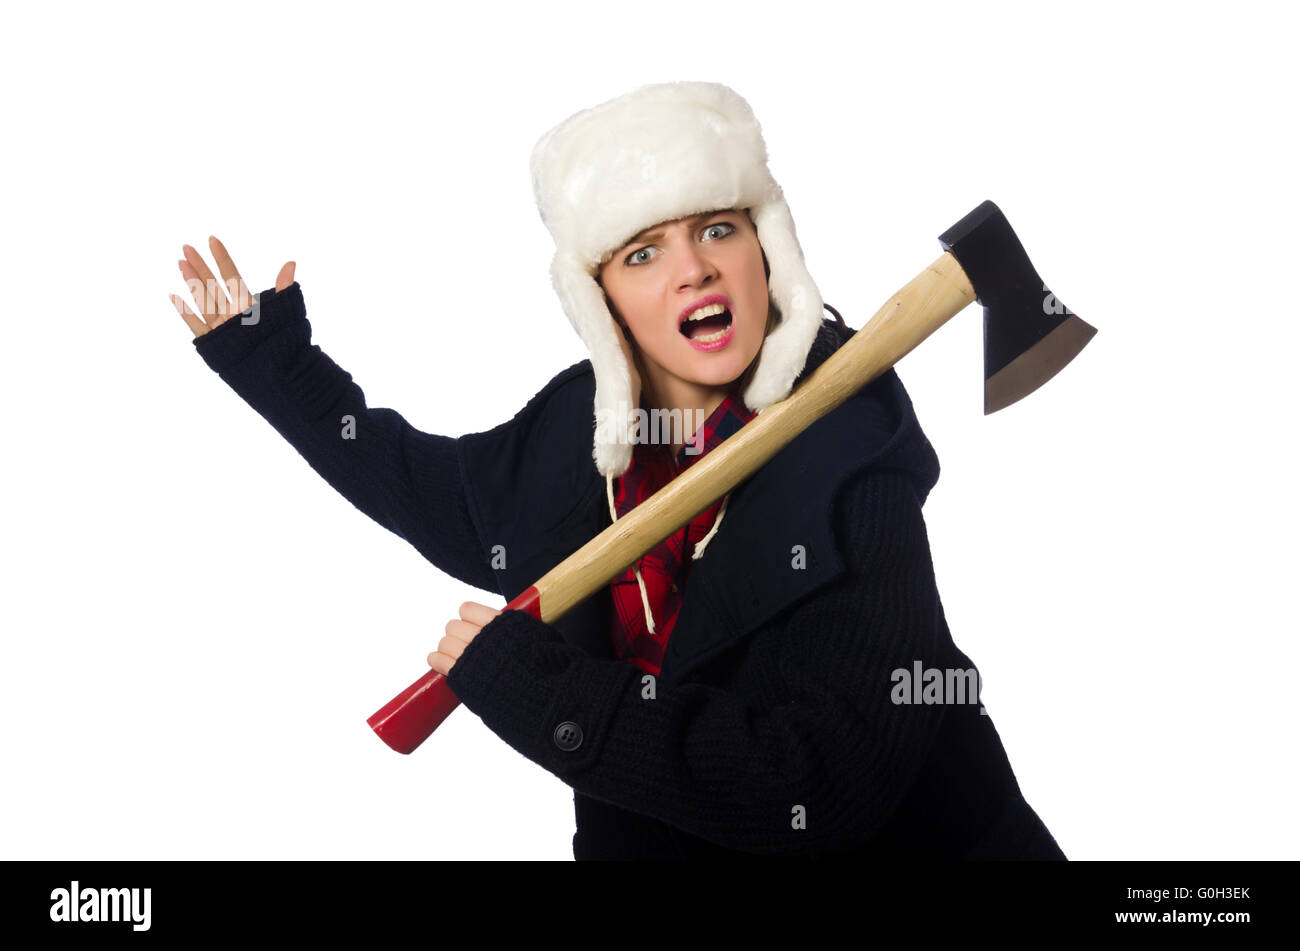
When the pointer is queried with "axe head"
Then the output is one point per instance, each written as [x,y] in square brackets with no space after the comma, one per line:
[1029,335]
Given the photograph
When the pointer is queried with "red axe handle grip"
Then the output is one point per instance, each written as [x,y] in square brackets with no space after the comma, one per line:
[410,718]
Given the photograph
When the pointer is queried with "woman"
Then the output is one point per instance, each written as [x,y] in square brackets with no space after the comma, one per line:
[745,688]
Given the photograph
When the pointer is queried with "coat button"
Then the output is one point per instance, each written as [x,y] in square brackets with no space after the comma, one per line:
[568,736]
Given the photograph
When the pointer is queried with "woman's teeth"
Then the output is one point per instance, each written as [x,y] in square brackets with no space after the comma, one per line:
[708,310]
[718,335]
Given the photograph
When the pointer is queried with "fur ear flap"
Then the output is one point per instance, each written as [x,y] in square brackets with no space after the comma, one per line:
[614,422]
[785,351]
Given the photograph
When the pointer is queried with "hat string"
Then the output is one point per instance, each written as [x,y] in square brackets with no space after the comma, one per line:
[645,598]
[699,546]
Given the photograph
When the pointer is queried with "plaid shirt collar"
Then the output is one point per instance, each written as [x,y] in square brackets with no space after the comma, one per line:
[665,568]
[729,416]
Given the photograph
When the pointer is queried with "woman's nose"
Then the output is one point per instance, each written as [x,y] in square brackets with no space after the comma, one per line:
[694,266]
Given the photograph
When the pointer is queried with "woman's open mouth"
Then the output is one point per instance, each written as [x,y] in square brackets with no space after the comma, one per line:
[708,328]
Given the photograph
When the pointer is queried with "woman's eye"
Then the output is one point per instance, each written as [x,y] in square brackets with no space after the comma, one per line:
[640,256]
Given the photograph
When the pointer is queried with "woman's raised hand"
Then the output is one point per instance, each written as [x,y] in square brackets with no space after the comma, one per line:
[213,297]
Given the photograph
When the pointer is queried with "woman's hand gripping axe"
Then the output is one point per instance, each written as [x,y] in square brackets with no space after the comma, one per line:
[1028,337]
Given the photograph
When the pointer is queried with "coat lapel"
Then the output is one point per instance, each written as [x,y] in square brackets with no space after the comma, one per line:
[776,545]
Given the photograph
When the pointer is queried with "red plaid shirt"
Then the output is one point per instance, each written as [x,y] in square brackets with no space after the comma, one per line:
[665,567]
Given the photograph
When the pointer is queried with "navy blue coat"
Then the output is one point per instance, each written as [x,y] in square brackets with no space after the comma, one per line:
[775,727]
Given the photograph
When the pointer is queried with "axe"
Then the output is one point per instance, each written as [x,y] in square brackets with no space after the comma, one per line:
[1029,335]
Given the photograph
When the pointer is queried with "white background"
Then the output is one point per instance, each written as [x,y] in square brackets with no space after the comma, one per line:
[196,626]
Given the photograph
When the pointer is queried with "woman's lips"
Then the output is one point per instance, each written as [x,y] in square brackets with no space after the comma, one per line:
[702,302]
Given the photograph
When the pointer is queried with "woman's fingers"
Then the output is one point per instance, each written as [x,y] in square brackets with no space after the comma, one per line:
[452,646]
[449,650]
[241,297]
[218,301]
[198,326]
[460,632]
[197,292]
[477,614]
[208,295]
[285,277]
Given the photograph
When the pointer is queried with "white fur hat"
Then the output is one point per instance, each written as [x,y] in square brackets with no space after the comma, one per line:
[659,153]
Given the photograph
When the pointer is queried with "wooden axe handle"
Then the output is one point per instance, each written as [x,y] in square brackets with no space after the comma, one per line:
[925,304]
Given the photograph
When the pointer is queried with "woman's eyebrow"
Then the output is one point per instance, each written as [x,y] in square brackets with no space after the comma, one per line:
[659,232]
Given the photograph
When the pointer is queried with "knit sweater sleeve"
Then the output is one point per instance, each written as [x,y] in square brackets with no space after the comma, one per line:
[816,734]
[406,480]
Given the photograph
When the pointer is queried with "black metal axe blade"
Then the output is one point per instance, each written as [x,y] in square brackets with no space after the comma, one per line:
[1029,335]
